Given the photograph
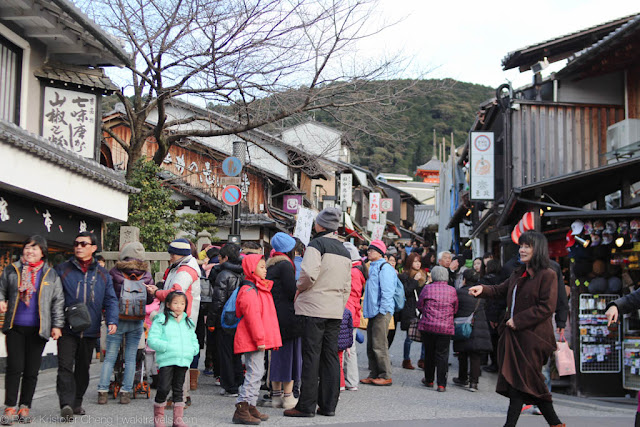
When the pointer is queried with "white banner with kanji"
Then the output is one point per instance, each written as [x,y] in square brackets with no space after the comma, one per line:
[374,207]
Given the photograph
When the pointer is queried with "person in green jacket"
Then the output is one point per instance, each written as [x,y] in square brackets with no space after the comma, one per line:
[173,337]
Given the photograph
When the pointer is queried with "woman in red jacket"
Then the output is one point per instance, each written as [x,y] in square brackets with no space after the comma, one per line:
[350,365]
[257,332]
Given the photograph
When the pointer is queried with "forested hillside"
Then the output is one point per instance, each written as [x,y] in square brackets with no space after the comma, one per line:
[444,105]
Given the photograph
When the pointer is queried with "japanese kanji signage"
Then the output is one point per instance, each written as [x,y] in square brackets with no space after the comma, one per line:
[378,231]
[482,166]
[68,120]
[374,207]
[346,180]
[304,222]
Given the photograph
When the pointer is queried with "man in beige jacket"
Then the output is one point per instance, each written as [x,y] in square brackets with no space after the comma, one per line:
[323,289]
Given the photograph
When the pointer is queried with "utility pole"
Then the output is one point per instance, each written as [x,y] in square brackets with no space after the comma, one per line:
[239,151]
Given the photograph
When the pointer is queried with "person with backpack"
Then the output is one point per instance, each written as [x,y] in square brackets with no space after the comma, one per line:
[225,279]
[379,306]
[257,332]
[358,279]
[286,362]
[88,290]
[129,276]
[173,337]
[413,278]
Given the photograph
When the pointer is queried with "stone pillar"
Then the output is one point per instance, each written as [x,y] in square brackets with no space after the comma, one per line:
[129,234]
[204,238]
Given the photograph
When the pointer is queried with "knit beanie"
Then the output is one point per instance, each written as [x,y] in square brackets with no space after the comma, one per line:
[353,251]
[282,242]
[180,247]
[133,250]
[329,218]
[379,246]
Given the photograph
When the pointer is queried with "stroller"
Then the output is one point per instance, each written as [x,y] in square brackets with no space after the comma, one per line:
[140,383]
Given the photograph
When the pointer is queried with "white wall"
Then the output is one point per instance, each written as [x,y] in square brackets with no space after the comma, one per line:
[22,171]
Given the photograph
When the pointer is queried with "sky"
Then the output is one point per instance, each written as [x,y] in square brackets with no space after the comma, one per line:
[466,40]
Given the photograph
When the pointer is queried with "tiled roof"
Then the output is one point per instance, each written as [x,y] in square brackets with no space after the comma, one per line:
[40,147]
[76,75]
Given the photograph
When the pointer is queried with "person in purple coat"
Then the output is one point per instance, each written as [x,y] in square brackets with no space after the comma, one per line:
[438,303]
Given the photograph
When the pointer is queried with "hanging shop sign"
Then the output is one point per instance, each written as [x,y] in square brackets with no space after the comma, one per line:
[291,203]
[482,166]
[346,185]
[69,120]
[304,222]
[386,205]
[374,207]
[378,231]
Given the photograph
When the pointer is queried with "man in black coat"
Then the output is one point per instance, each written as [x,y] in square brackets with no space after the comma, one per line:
[225,278]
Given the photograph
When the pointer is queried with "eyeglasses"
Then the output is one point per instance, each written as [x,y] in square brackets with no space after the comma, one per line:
[83,244]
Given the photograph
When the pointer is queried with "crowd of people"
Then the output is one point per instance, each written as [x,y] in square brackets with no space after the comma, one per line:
[289,322]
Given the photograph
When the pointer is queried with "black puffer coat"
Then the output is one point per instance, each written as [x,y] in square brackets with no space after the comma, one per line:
[281,270]
[408,313]
[224,279]
[494,309]
[480,339]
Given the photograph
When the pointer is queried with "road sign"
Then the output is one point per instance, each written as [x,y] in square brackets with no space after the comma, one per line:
[232,166]
[230,180]
[231,195]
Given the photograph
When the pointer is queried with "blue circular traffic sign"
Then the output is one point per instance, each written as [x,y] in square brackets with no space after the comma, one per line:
[232,166]
[231,195]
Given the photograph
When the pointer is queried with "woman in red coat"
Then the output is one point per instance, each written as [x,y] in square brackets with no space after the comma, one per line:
[526,335]
[257,332]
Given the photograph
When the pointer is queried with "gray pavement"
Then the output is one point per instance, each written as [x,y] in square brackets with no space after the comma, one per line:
[407,403]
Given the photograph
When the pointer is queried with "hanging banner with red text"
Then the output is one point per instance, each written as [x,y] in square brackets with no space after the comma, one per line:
[482,166]
[374,207]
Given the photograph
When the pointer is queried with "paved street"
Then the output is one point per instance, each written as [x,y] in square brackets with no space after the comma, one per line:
[407,403]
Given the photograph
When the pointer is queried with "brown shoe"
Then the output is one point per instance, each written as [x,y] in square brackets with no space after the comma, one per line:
[421,363]
[382,381]
[366,380]
[295,413]
[242,415]
[193,379]
[406,364]
[125,398]
[257,414]
[102,398]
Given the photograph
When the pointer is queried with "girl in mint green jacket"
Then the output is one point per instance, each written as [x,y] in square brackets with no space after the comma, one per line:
[173,337]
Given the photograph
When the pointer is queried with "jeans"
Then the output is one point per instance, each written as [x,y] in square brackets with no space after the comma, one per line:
[24,356]
[407,349]
[170,378]
[254,362]
[74,360]
[377,348]
[320,365]
[131,331]
[436,357]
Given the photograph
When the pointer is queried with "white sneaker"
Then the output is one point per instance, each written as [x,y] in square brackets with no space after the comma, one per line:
[276,401]
[289,402]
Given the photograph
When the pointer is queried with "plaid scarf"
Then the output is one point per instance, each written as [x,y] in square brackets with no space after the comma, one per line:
[28,283]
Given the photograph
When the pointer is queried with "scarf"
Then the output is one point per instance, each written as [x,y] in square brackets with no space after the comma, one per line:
[84,265]
[290,260]
[27,285]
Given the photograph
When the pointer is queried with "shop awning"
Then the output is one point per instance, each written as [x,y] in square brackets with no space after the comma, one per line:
[588,213]
[576,189]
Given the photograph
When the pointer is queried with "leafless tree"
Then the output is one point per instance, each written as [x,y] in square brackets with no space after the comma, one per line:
[263,60]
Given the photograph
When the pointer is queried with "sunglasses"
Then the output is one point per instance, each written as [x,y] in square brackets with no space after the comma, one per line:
[83,244]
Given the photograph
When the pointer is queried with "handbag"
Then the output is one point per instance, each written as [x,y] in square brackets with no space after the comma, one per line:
[413,332]
[565,361]
[463,326]
[77,315]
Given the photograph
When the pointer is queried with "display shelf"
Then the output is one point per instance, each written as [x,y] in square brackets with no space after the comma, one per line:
[600,350]
[631,363]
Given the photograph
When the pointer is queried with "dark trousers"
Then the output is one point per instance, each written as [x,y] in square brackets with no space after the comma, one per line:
[170,378]
[230,364]
[495,337]
[74,360]
[517,399]
[24,356]
[436,357]
[391,334]
[469,366]
[320,365]
[210,350]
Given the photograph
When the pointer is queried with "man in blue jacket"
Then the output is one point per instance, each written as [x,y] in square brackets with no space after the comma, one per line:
[83,280]
[378,306]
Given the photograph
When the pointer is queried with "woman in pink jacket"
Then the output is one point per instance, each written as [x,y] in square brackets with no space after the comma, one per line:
[257,332]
